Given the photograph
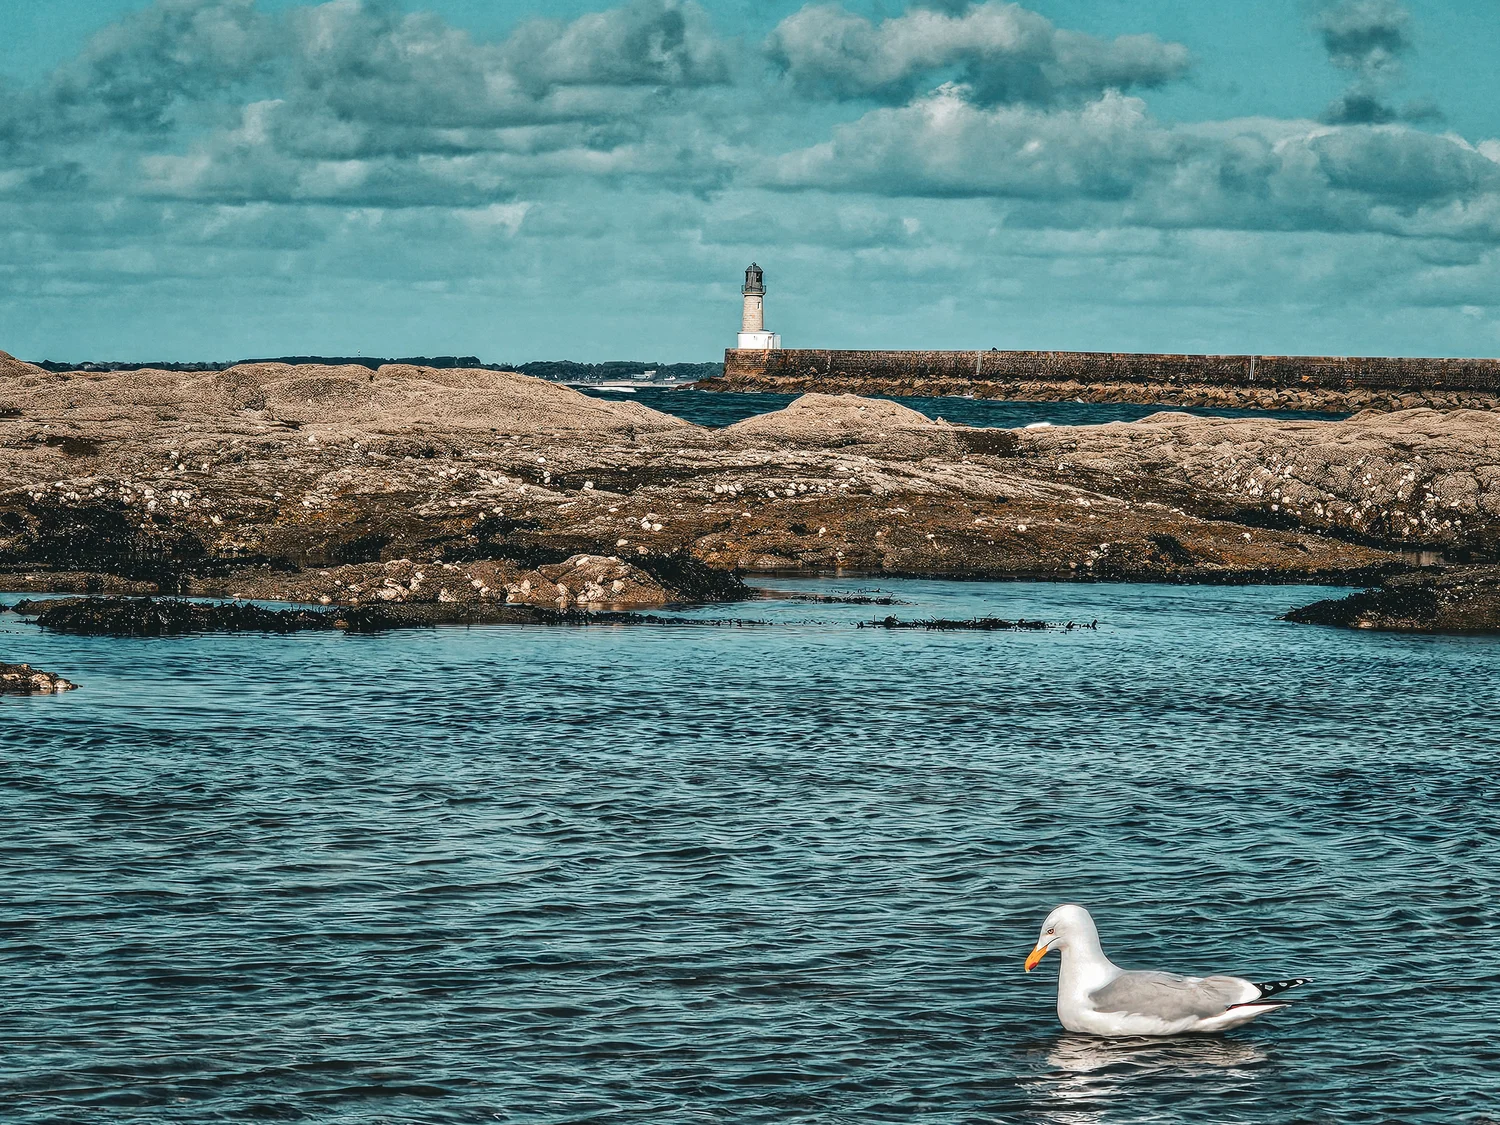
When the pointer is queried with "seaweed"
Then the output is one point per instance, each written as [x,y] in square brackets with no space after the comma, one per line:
[972,624]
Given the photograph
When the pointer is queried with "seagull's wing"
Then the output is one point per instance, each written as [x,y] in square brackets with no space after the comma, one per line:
[1169,997]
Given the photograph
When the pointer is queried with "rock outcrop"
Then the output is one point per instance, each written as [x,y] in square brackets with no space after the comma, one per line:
[586,580]
[415,486]
[1424,479]
[1460,600]
[23,679]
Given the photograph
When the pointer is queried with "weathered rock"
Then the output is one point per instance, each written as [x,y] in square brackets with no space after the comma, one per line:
[586,580]
[413,486]
[23,679]
[1459,600]
[1415,478]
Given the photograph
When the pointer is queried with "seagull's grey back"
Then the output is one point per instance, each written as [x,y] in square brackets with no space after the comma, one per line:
[1168,996]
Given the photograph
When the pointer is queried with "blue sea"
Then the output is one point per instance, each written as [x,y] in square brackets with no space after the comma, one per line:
[770,872]
[722,408]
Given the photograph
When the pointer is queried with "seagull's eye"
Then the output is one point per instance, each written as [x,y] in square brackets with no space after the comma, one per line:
[1053,931]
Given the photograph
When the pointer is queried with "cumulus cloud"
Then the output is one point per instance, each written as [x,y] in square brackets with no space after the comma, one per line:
[134,73]
[1250,175]
[646,43]
[943,145]
[361,101]
[1370,38]
[1367,36]
[1004,53]
[370,63]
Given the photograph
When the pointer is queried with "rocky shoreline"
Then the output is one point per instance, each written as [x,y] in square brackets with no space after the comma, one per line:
[461,490]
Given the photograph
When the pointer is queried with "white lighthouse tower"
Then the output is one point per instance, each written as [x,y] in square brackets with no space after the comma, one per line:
[753,334]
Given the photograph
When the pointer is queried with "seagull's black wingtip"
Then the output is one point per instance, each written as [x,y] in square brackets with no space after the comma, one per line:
[1271,988]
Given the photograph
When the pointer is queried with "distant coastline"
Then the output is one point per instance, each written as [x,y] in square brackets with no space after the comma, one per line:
[553,370]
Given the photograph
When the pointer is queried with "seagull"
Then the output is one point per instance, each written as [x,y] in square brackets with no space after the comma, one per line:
[1097,997]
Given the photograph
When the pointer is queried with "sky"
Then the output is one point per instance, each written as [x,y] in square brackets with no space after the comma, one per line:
[574,179]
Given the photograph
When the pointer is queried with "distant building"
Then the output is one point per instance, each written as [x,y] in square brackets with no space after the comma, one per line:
[753,334]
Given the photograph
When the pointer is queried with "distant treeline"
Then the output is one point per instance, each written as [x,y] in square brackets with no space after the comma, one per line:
[554,369]
[329,360]
[560,370]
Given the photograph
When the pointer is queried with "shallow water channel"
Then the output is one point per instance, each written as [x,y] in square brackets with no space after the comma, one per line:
[722,408]
[772,873]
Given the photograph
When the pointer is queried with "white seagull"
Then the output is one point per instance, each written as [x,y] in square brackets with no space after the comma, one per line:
[1097,997]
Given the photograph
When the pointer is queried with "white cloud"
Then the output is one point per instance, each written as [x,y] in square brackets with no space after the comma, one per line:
[1002,52]
[1112,156]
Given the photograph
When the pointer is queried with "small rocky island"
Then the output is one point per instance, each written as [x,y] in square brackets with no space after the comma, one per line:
[23,679]
[1453,600]
[462,489]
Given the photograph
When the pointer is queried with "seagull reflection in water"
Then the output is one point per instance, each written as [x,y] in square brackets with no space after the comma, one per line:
[1089,1073]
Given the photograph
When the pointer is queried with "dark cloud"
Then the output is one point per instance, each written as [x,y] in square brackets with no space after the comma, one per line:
[133,74]
[1369,36]
[1004,53]
[1359,107]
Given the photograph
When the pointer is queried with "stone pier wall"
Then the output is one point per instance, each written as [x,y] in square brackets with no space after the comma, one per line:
[1338,383]
[1386,373]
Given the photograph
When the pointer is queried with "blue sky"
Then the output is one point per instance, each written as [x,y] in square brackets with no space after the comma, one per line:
[195,179]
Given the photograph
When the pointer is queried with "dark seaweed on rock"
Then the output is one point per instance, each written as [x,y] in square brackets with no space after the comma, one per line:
[169,617]
[1457,600]
[839,599]
[166,617]
[972,624]
[691,580]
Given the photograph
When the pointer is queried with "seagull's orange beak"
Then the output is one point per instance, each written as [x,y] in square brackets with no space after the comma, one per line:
[1035,956]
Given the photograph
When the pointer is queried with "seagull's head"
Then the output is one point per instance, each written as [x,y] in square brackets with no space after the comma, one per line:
[1066,926]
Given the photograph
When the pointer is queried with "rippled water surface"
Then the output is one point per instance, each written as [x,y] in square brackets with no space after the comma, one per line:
[721,408]
[780,873]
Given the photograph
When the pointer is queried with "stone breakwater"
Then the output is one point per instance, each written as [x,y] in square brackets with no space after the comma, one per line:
[1332,383]
[459,489]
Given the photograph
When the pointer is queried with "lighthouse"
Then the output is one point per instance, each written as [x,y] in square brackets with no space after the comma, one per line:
[753,334]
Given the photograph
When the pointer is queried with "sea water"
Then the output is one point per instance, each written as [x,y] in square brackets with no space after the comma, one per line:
[758,872]
[722,408]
